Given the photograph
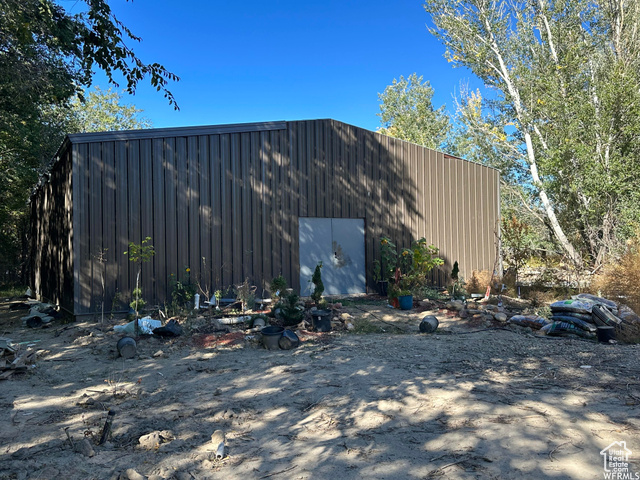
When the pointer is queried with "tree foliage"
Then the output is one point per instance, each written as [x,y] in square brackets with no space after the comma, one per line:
[103,111]
[563,117]
[47,57]
[407,113]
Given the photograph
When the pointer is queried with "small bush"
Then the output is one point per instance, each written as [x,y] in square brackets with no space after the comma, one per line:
[278,287]
[478,281]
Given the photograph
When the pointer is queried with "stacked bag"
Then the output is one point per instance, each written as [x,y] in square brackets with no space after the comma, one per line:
[582,314]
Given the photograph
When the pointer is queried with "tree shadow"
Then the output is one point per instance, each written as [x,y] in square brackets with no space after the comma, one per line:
[492,404]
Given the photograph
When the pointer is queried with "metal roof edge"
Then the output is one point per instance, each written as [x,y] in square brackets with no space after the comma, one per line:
[440,151]
[151,133]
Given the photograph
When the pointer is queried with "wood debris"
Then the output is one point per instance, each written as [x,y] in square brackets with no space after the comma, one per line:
[13,361]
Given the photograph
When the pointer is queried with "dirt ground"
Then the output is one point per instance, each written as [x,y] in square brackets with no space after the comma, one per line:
[455,404]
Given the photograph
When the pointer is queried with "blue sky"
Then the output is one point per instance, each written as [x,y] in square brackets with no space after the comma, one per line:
[281,60]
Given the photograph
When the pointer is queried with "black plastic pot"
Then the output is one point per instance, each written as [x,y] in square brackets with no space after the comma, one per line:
[321,320]
[606,333]
[271,337]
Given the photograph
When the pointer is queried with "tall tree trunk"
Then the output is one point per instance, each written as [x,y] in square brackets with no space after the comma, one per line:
[514,93]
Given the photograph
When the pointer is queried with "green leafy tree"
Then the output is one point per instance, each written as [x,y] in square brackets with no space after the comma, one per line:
[139,253]
[103,111]
[407,113]
[564,111]
[47,57]
[516,242]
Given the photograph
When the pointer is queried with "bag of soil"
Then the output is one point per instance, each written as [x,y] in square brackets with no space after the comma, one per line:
[576,306]
[557,329]
[589,327]
[531,321]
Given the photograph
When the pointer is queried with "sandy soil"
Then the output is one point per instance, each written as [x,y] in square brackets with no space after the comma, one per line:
[493,404]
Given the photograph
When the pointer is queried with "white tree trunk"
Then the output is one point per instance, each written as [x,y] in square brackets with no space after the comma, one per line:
[514,93]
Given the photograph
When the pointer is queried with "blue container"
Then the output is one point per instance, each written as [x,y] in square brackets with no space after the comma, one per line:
[406,302]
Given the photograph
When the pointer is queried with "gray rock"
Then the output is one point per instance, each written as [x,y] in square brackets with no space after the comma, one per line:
[153,440]
[85,448]
[133,475]
[501,317]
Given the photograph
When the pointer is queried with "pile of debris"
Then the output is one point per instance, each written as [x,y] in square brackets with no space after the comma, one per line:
[39,313]
[584,315]
[13,360]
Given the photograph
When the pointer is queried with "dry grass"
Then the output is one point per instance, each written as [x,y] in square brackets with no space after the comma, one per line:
[620,280]
[478,281]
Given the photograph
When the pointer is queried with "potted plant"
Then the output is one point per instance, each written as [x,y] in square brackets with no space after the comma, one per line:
[318,286]
[289,308]
[394,291]
[405,300]
[405,296]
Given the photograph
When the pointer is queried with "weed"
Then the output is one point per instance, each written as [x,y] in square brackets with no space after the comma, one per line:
[10,290]
[363,326]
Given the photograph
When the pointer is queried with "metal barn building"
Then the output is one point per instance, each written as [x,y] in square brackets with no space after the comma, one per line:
[253,201]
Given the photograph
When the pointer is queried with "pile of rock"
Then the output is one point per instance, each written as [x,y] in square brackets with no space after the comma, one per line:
[479,311]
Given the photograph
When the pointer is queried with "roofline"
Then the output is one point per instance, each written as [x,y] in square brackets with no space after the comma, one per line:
[150,133]
[436,150]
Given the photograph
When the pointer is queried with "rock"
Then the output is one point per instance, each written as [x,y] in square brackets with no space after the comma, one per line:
[350,326]
[159,353]
[152,440]
[47,472]
[345,316]
[501,317]
[491,308]
[464,313]
[155,477]
[85,448]
[183,476]
[133,475]
[457,305]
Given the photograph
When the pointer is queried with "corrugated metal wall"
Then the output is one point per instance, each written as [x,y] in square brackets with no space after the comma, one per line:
[51,252]
[225,201]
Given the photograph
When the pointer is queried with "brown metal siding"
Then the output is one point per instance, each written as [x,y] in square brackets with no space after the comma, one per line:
[51,235]
[225,203]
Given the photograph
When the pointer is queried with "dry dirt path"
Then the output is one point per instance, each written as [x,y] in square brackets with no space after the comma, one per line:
[493,404]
